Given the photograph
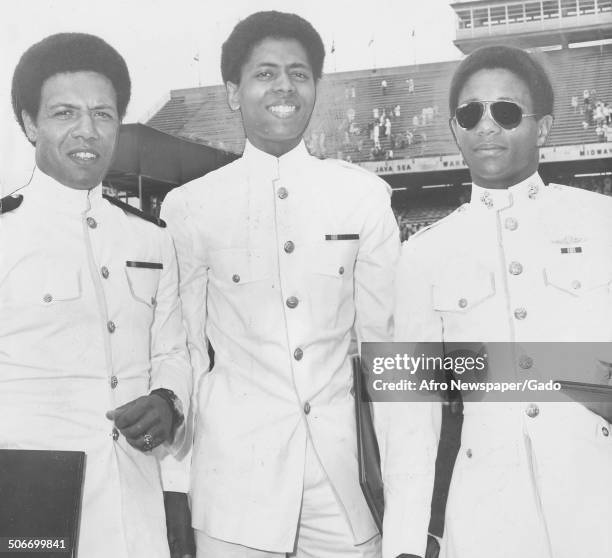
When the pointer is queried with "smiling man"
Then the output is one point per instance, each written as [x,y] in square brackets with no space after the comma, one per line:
[93,352]
[281,255]
[523,262]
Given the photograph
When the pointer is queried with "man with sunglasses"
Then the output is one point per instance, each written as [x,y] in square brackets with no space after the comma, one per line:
[522,262]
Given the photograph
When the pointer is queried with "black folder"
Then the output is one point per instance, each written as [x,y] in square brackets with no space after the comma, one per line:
[368,455]
[40,498]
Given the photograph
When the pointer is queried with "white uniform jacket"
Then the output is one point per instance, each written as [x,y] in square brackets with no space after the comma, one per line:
[531,263]
[82,332]
[279,259]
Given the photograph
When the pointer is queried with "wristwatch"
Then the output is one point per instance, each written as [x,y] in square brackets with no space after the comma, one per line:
[175,406]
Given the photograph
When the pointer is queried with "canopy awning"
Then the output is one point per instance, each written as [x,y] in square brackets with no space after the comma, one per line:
[153,161]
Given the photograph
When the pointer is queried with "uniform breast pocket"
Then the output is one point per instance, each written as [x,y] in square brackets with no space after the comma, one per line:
[332,288]
[239,267]
[335,259]
[42,292]
[243,291]
[143,280]
[58,286]
[580,279]
[462,293]
[461,301]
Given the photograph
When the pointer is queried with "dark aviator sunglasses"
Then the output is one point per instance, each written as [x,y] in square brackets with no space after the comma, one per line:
[507,114]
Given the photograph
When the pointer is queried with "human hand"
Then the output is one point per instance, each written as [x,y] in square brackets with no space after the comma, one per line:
[145,422]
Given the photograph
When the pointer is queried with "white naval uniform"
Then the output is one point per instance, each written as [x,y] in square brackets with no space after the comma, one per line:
[279,259]
[82,333]
[531,263]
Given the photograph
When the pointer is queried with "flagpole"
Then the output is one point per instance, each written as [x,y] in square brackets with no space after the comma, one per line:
[197,61]
[373,53]
[333,53]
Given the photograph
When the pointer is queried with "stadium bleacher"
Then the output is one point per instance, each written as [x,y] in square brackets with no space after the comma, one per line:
[201,114]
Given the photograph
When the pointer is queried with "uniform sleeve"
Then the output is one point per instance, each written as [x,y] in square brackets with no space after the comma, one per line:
[375,269]
[193,280]
[408,432]
[170,366]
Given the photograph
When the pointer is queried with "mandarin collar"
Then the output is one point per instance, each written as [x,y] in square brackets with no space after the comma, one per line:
[489,198]
[263,164]
[44,189]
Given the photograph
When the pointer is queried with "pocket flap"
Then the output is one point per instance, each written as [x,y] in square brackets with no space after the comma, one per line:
[334,259]
[576,280]
[239,266]
[60,285]
[463,293]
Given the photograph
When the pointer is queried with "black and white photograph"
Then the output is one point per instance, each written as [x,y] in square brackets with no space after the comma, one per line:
[289,279]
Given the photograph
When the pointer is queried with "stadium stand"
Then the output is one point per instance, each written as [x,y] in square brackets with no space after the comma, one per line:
[201,114]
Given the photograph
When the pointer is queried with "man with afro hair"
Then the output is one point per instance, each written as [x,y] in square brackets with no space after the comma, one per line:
[92,347]
[281,256]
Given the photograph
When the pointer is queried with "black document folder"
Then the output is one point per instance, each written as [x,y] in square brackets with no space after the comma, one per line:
[40,500]
[370,477]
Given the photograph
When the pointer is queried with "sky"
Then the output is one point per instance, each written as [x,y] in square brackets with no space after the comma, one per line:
[174,44]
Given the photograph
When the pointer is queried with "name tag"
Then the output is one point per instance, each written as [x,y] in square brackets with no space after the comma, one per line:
[146,265]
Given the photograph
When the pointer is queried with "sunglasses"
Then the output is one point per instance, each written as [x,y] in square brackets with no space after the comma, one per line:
[507,114]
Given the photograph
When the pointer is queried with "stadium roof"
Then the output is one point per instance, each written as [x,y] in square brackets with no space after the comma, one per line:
[157,160]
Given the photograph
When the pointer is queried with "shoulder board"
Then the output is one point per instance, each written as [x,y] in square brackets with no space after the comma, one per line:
[9,203]
[461,209]
[129,209]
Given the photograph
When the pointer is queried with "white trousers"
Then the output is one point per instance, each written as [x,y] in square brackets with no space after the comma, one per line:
[323,532]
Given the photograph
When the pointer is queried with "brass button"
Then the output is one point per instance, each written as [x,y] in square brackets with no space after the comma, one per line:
[511,223]
[532,410]
[468,452]
[113,382]
[306,407]
[605,431]
[91,223]
[515,268]
[576,284]
[289,247]
[341,270]
[282,192]
[525,362]
[236,278]
[111,326]
[462,302]
[292,302]
[47,298]
[298,354]
[520,313]
[115,434]
[104,271]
